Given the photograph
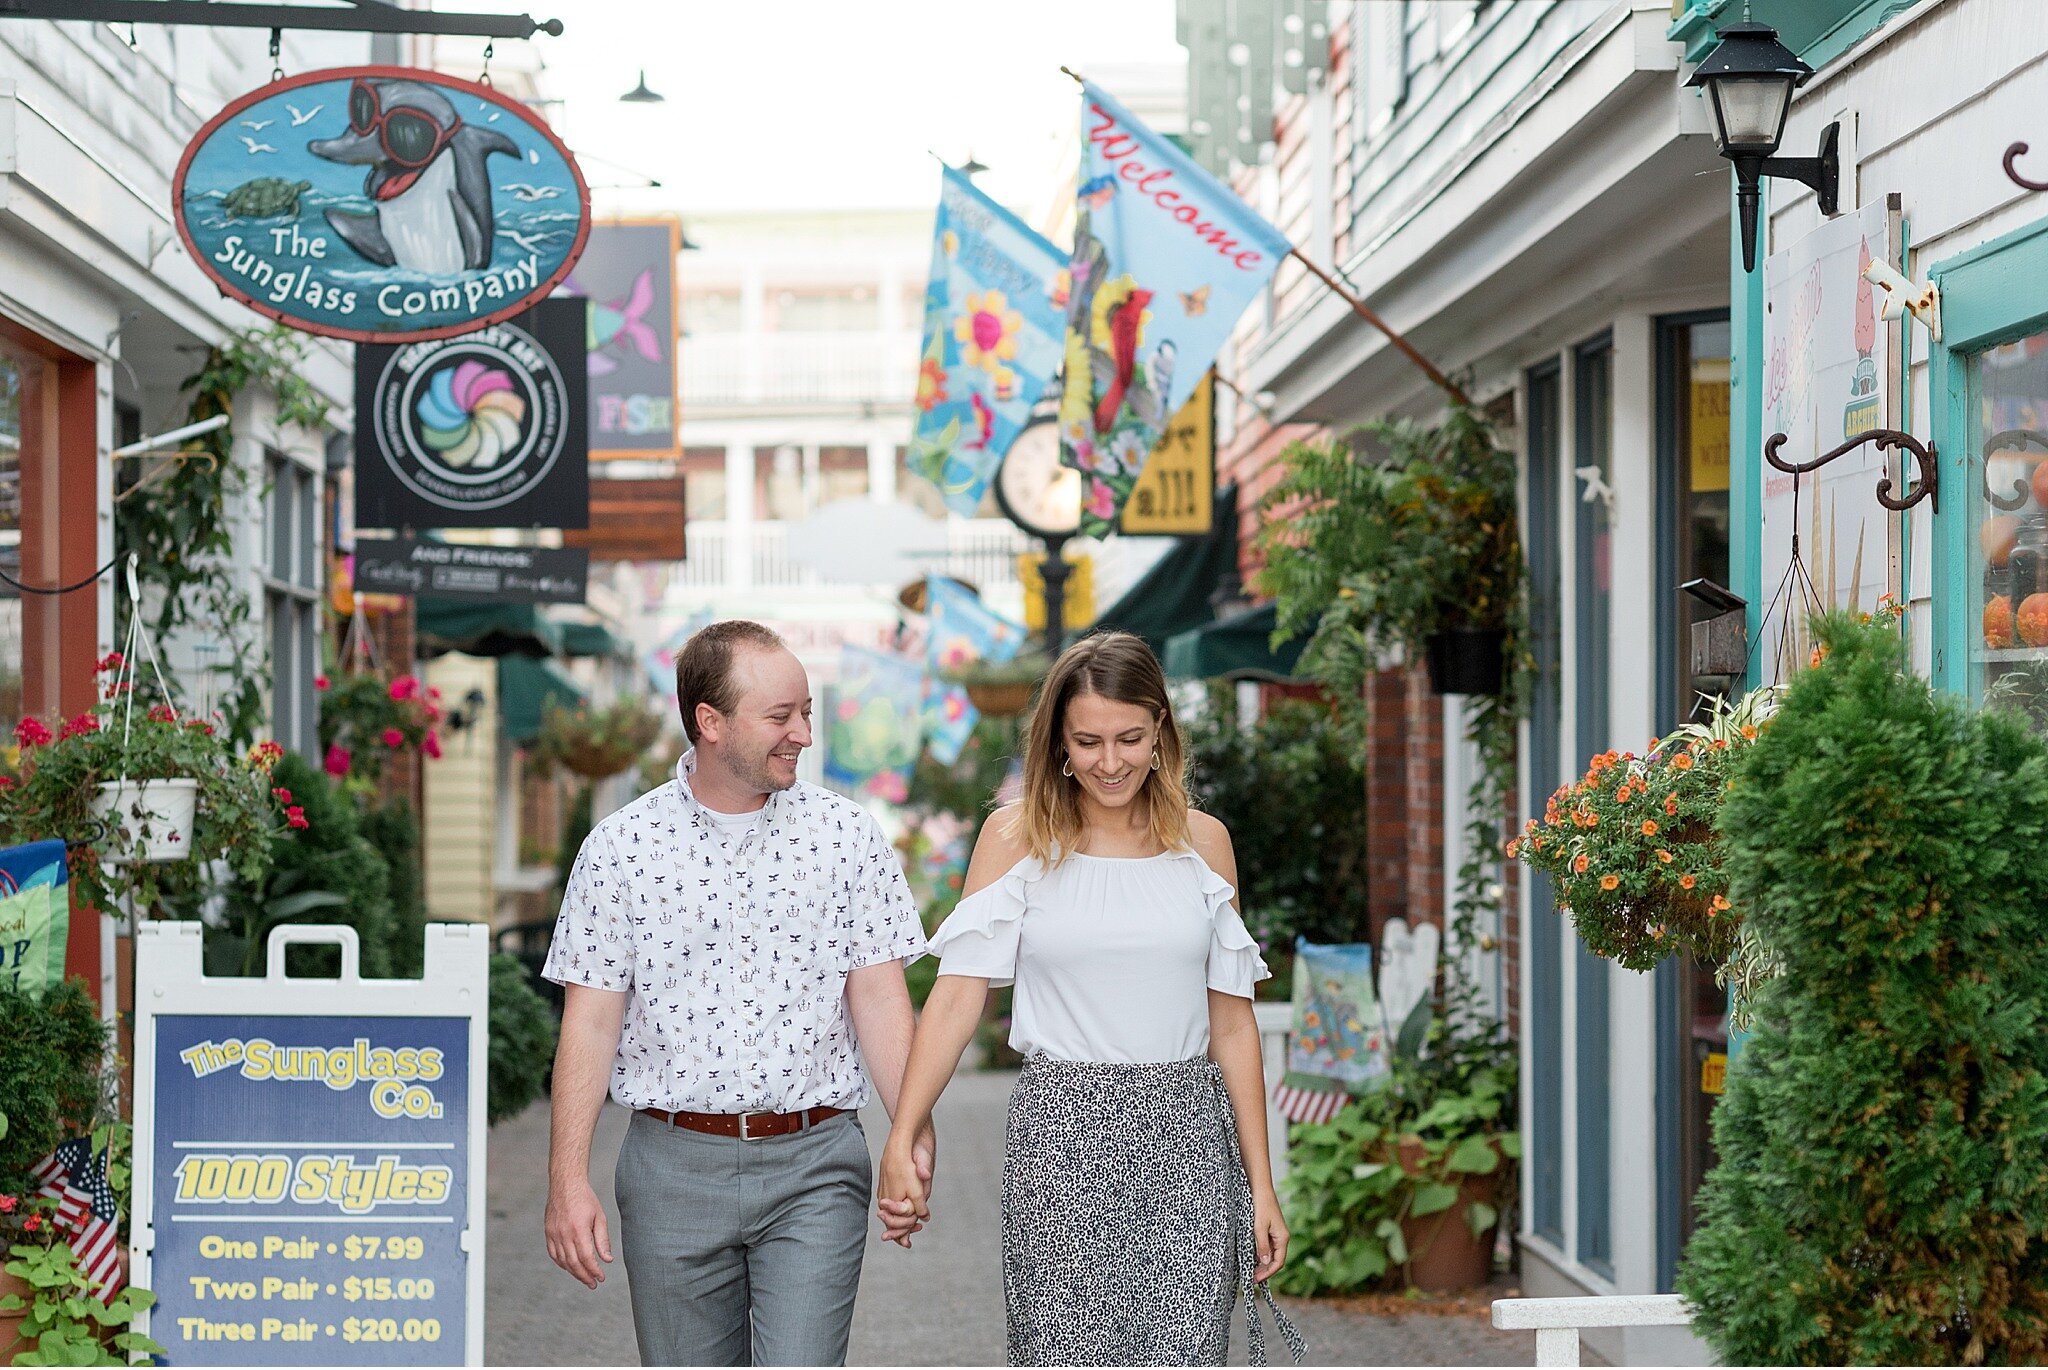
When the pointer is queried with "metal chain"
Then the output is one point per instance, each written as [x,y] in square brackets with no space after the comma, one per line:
[276,43]
[490,47]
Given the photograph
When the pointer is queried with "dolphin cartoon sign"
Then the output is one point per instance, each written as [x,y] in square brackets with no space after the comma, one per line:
[381,204]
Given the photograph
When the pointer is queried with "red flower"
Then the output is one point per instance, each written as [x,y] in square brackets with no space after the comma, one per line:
[393,738]
[6,783]
[296,816]
[8,1203]
[202,725]
[110,662]
[321,682]
[162,713]
[31,733]
[264,755]
[432,746]
[405,687]
[84,723]
[338,759]
[35,1221]
[282,795]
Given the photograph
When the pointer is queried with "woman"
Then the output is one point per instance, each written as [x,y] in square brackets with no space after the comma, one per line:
[1137,1193]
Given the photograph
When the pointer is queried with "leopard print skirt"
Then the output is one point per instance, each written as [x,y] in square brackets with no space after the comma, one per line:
[1127,1218]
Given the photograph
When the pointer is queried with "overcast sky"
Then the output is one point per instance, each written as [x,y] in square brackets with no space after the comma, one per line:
[830,103]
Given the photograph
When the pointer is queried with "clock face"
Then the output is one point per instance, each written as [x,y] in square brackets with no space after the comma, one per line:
[1037,493]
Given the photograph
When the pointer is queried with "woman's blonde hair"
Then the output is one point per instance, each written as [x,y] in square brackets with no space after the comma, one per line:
[1117,667]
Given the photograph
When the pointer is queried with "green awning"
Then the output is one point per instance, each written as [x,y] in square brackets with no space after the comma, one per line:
[1237,647]
[525,685]
[589,639]
[1173,596]
[453,625]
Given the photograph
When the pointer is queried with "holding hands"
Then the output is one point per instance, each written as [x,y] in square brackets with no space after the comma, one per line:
[903,1192]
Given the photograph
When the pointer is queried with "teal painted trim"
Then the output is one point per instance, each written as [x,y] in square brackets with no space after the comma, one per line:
[1746,426]
[1991,294]
[1818,30]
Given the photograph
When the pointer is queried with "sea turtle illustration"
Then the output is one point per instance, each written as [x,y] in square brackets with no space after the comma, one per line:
[266,197]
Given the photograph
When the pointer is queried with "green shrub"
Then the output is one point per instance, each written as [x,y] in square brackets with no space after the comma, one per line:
[522,1039]
[1882,1196]
[395,832]
[49,1076]
[1292,792]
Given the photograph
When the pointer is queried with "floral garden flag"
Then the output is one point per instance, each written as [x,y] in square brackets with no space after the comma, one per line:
[876,726]
[949,719]
[1338,1047]
[35,915]
[1165,259]
[991,341]
[963,631]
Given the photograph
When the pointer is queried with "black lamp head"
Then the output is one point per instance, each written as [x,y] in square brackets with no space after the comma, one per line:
[1750,77]
[641,95]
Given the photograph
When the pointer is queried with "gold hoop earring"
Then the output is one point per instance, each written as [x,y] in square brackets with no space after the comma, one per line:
[1155,758]
[1065,771]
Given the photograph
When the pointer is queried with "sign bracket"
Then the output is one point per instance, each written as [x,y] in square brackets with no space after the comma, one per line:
[358,18]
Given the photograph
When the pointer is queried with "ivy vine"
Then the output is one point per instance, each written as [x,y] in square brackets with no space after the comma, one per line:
[180,527]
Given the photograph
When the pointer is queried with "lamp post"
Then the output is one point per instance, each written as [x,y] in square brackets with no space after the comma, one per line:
[1749,78]
[1043,498]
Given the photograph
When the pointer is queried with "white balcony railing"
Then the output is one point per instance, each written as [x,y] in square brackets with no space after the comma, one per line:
[1558,1322]
[982,552]
[799,368]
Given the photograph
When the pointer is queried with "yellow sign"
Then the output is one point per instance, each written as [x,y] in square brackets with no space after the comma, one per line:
[1714,1073]
[1079,607]
[1709,424]
[1176,492]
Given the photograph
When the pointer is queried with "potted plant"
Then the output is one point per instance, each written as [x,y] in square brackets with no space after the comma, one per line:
[1634,849]
[1003,689]
[595,743]
[76,784]
[1402,538]
[365,720]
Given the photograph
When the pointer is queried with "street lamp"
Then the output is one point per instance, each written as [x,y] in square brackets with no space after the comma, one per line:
[641,95]
[1749,79]
[1043,497]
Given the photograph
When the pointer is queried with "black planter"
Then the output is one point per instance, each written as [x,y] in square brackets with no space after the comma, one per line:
[1466,661]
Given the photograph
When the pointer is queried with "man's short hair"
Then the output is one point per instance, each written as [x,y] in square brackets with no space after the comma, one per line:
[704,666]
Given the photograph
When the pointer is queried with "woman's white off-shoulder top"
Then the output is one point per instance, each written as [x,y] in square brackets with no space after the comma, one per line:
[1112,957]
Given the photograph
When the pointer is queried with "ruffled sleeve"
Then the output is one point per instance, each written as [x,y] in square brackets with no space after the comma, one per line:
[979,937]
[1234,962]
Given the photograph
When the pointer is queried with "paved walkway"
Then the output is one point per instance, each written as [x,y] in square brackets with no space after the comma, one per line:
[939,1303]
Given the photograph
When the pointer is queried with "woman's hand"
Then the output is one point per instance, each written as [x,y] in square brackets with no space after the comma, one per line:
[900,1192]
[1269,1231]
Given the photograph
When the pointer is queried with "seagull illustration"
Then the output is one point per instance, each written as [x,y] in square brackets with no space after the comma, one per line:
[298,118]
[258,124]
[255,146]
[530,241]
[1597,488]
[530,193]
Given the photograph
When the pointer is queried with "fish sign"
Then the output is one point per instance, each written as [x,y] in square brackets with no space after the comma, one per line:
[381,204]
[628,272]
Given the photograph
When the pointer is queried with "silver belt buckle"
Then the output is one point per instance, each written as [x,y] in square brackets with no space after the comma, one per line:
[745,1135]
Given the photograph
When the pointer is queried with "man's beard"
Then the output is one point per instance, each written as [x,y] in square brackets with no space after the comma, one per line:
[754,773]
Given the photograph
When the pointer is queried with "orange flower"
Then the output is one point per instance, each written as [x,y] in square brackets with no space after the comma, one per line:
[1687,881]
[1721,904]
[1653,743]
[1649,827]
[1579,863]
[1671,806]
[1748,733]
[1608,882]
[1720,744]
[1664,856]
[1683,761]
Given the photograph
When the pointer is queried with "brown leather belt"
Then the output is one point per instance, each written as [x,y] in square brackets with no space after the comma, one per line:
[750,1127]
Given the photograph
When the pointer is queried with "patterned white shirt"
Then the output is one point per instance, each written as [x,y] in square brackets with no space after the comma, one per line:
[733,949]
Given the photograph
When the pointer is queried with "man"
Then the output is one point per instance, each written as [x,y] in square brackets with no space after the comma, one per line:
[717,940]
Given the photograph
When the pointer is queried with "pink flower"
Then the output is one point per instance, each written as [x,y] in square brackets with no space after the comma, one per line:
[84,723]
[405,687]
[282,795]
[432,746]
[1101,499]
[35,1221]
[110,662]
[393,738]
[321,682]
[434,694]
[31,733]
[338,759]
[8,1203]
[296,817]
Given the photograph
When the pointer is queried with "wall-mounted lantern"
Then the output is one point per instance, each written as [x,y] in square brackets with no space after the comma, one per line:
[1749,79]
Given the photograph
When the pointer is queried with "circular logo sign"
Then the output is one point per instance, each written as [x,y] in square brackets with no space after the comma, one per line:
[381,204]
[471,423]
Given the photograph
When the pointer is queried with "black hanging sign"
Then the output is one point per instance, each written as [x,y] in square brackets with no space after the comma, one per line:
[451,570]
[487,430]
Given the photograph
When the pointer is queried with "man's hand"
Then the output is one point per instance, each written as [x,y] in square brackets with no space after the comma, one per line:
[905,1183]
[577,1238]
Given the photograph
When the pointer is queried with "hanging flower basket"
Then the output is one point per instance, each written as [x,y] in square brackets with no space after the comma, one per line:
[1003,689]
[1001,699]
[596,743]
[154,818]
[1466,661]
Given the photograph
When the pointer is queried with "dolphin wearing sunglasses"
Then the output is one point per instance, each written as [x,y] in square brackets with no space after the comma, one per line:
[427,177]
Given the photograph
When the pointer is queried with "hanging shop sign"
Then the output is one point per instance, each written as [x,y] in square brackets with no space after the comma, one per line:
[633,520]
[381,204]
[488,430]
[309,1154]
[628,272]
[453,570]
[1176,492]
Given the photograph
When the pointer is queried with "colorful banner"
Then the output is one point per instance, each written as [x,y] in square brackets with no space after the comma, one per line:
[628,271]
[949,719]
[964,630]
[35,915]
[876,726]
[1339,1042]
[992,331]
[1176,495]
[381,204]
[1165,260]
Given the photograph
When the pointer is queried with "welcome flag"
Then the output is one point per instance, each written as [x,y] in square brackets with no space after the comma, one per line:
[992,328]
[35,916]
[1165,260]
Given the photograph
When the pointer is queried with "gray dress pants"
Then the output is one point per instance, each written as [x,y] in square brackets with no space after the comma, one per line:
[743,1252]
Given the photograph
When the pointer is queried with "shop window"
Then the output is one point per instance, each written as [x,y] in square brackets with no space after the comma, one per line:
[2010,498]
[1547,933]
[842,473]
[704,483]
[10,539]
[291,598]
[49,535]
[711,311]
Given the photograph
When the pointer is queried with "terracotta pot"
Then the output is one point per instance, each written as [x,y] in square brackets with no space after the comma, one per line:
[1002,699]
[10,1323]
[1442,1252]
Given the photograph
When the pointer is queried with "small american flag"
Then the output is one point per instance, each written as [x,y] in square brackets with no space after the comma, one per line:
[76,1177]
[1298,1105]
